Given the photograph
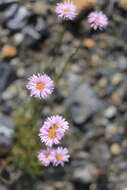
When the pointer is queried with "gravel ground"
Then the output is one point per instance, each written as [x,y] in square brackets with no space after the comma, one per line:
[91,92]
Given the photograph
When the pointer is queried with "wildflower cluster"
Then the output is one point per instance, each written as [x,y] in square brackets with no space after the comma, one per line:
[69,11]
[54,127]
[41,86]
[51,132]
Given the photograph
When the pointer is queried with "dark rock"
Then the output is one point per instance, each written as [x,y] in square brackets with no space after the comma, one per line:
[7,128]
[103,4]
[83,104]
[53,174]
[3,187]
[102,183]
[7,75]
[110,89]
[121,63]
[36,31]
[124,32]
[124,93]
[53,1]
[125,151]
[16,17]
[10,11]
[58,97]
[5,3]
[118,138]
[101,154]
[82,168]
[84,174]
[42,186]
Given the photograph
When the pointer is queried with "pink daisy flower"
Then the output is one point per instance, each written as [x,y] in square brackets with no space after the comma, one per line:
[53,130]
[66,10]
[98,20]
[46,157]
[40,86]
[60,156]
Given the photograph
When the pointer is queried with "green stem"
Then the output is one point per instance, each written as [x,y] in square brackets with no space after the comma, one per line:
[59,76]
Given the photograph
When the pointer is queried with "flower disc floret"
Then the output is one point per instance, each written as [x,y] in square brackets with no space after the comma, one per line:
[46,157]
[97,20]
[53,130]
[40,86]
[66,10]
[61,155]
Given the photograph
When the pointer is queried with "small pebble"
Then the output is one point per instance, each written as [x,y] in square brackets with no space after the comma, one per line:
[18,38]
[115,98]
[102,83]
[9,51]
[89,42]
[111,130]
[110,112]
[116,149]
[117,78]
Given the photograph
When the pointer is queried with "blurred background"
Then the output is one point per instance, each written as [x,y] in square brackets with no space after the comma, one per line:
[91,92]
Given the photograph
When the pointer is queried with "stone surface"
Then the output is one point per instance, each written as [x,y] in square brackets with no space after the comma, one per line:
[116,149]
[83,104]
[84,174]
[4,3]
[110,112]
[9,51]
[16,17]
[7,128]
[36,31]
[7,75]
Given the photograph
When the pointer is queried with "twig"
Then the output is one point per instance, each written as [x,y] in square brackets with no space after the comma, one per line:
[67,62]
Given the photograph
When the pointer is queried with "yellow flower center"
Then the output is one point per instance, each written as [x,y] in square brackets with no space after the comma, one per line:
[40,86]
[56,126]
[52,131]
[66,10]
[59,157]
[47,155]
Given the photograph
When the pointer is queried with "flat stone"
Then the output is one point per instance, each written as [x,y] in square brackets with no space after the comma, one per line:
[7,75]
[84,174]
[16,17]
[4,3]
[116,149]
[110,112]
[83,103]
[36,31]
[7,128]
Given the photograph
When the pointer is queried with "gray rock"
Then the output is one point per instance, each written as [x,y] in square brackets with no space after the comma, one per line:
[101,154]
[7,128]
[82,168]
[84,174]
[42,186]
[37,31]
[121,63]
[83,103]
[7,75]
[110,112]
[16,17]
[123,32]
[4,3]
[3,187]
